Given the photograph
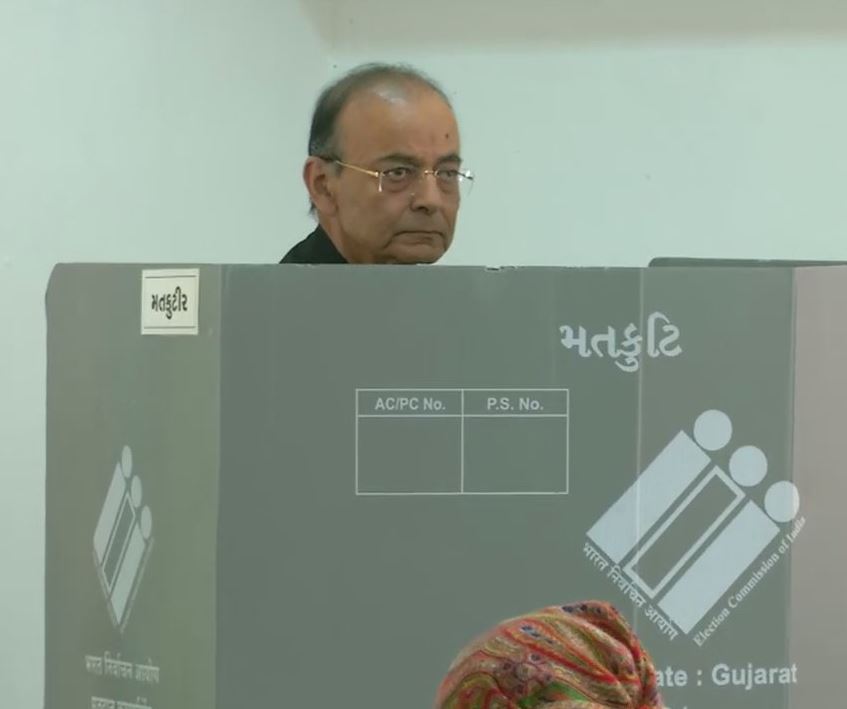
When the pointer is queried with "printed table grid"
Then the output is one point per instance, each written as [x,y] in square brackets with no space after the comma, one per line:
[458,435]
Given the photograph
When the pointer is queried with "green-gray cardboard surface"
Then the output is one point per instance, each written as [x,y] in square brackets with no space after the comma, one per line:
[348,473]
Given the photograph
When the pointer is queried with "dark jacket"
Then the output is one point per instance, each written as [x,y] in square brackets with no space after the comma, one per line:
[315,248]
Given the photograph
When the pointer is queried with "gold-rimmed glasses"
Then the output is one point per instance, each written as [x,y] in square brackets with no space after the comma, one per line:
[401,178]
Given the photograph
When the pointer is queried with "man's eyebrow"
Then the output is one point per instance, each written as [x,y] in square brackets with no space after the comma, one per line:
[400,157]
[452,157]
[412,160]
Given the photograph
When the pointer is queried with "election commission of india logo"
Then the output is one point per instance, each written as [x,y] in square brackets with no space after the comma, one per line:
[688,541]
[122,540]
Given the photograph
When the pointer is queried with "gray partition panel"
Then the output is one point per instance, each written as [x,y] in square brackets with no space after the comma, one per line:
[351,472]
[132,424]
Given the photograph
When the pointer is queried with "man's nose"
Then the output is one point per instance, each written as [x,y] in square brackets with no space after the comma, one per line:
[427,196]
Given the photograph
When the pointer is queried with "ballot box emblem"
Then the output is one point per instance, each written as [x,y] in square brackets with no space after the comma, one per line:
[690,537]
[122,539]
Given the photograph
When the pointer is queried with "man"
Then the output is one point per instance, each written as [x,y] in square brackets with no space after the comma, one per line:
[384,171]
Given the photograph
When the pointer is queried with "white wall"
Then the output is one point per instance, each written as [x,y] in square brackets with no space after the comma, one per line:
[129,131]
[602,133]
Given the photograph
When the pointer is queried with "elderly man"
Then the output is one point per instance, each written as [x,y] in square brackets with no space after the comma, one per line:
[384,172]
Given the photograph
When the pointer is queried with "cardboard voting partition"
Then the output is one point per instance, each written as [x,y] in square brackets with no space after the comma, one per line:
[310,486]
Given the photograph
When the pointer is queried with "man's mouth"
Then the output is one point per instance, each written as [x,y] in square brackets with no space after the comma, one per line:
[419,232]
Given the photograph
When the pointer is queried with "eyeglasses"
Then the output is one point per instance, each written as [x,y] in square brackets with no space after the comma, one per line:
[403,177]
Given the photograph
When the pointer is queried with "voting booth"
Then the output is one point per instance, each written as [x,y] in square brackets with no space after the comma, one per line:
[302,486]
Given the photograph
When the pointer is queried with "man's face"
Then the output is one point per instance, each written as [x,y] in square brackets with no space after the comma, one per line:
[386,128]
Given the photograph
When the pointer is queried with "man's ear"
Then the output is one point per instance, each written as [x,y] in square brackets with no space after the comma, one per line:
[317,177]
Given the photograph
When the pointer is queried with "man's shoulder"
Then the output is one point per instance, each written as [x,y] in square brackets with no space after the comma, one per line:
[315,248]
[299,253]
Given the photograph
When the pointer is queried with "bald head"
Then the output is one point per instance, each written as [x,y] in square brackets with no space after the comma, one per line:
[387,80]
[394,118]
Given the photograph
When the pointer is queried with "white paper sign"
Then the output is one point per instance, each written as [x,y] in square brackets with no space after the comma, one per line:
[170,301]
